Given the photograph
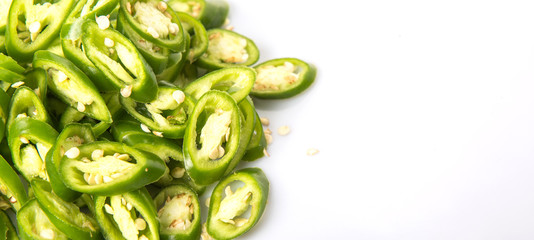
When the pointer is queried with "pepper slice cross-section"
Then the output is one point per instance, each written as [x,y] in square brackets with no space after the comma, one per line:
[236,81]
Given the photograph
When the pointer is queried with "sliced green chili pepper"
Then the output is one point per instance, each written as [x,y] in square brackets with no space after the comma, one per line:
[199,39]
[4,105]
[37,79]
[120,61]
[71,115]
[85,9]
[173,71]
[165,116]
[29,141]
[229,203]
[31,27]
[3,14]
[248,117]
[7,230]
[188,74]
[212,13]
[154,21]
[131,215]
[34,224]
[226,49]
[257,144]
[236,81]
[72,86]
[64,215]
[212,137]
[26,103]
[282,78]
[73,135]
[179,213]
[106,168]
[10,70]
[11,188]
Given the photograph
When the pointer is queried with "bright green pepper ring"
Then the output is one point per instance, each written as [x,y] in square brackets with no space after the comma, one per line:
[227,48]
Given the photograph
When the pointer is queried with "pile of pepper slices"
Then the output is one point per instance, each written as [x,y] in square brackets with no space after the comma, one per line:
[116,114]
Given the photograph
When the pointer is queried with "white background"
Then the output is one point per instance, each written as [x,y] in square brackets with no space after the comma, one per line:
[423,113]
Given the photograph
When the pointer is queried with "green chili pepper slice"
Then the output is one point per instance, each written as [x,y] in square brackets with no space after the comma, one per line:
[85,9]
[29,141]
[165,116]
[4,105]
[230,203]
[7,230]
[212,13]
[72,86]
[34,26]
[11,188]
[26,103]
[154,21]
[131,215]
[66,216]
[106,168]
[282,78]
[212,137]
[120,61]
[71,115]
[178,213]
[257,145]
[73,135]
[236,81]
[199,39]
[226,49]
[248,118]
[34,224]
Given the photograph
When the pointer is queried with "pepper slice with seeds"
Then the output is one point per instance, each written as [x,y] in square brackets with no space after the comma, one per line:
[11,188]
[7,230]
[282,78]
[166,116]
[212,137]
[236,81]
[25,103]
[33,26]
[125,69]
[66,216]
[212,13]
[106,168]
[227,49]
[34,224]
[129,216]
[199,36]
[257,145]
[71,85]
[29,141]
[237,203]
[73,135]
[178,213]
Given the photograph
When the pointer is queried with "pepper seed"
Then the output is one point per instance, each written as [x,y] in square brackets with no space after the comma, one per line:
[143,237]
[108,209]
[312,151]
[159,134]
[268,138]
[152,32]
[80,107]
[107,179]
[264,121]
[140,224]
[24,140]
[178,172]
[103,22]
[283,130]
[47,233]
[145,128]
[162,6]
[73,152]
[228,191]
[61,76]
[97,153]
[17,84]
[126,91]
[108,42]
[178,96]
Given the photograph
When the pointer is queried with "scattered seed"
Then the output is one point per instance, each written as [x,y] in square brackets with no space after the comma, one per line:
[21,115]
[61,76]
[159,134]
[24,140]
[80,107]
[140,224]
[108,42]
[152,32]
[229,28]
[108,209]
[126,91]
[178,172]
[312,151]
[129,7]
[34,28]
[143,237]
[265,152]
[116,175]
[17,84]
[221,152]
[240,221]
[162,6]
[103,22]
[174,28]
[123,157]
[47,233]
[99,179]
[264,121]
[267,131]
[145,128]
[129,206]
[268,138]
[107,179]
[283,130]
[12,199]
[86,177]
[73,152]
[214,154]
[178,96]
[97,153]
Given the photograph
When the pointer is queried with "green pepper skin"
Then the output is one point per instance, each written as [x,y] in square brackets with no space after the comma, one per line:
[236,81]
[143,81]
[212,13]
[18,48]
[256,183]
[248,119]
[174,41]
[10,70]
[193,232]
[199,39]
[301,78]
[213,63]
[67,138]
[71,115]
[257,145]
[4,105]
[32,221]
[200,167]
[64,215]
[25,102]
[170,122]
[85,9]
[76,89]
[148,168]
[37,132]
[37,79]
[7,230]
[11,186]
[141,201]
